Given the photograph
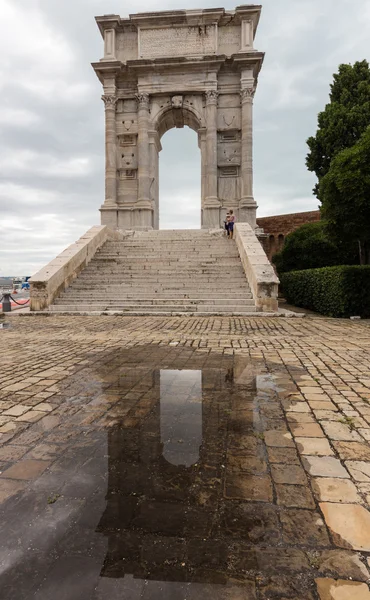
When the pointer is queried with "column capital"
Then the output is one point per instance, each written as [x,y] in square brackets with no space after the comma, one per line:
[110,101]
[247,94]
[143,100]
[211,96]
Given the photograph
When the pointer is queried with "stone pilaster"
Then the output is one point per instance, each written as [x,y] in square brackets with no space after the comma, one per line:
[211,208]
[211,145]
[143,150]
[248,206]
[110,102]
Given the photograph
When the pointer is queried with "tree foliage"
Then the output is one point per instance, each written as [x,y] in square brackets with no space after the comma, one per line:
[310,247]
[344,119]
[345,194]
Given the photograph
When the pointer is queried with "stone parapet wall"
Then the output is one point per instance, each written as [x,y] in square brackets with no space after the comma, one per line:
[52,280]
[258,270]
[276,228]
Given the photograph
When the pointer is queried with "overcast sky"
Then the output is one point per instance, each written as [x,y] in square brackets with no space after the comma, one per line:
[52,118]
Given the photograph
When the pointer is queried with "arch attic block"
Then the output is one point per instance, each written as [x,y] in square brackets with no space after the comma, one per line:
[195,68]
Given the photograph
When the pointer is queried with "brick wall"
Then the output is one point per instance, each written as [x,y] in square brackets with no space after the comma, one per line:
[277,228]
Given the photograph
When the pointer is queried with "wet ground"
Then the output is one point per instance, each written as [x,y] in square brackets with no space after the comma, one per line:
[139,467]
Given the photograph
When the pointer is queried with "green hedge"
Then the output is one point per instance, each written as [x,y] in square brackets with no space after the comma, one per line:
[342,291]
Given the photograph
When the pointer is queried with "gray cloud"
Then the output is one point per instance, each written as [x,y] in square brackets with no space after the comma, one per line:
[52,120]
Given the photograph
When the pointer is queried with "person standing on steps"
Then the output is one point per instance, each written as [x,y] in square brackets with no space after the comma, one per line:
[231,221]
[226,223]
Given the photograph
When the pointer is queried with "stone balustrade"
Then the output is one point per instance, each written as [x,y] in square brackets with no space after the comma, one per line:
[49,282]
[259,272]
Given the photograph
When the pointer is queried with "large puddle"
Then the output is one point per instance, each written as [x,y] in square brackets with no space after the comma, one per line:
[163,493]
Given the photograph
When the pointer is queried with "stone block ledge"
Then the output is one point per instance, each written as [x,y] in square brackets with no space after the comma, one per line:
[52,280]
[261,276]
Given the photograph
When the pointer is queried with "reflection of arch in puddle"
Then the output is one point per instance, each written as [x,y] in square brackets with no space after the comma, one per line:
[181,416]
[162,494]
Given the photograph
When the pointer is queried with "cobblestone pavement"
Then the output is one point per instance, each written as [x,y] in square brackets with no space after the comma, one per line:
[184,458]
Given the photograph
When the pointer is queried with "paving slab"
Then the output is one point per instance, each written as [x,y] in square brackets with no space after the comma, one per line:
[329,589]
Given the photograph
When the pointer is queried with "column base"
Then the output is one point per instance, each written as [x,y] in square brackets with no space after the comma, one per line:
[211,202]
[109,216]
[247,211]
[211,217]
[142,216]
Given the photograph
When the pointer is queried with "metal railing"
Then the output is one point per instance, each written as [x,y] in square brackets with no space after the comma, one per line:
[6,302]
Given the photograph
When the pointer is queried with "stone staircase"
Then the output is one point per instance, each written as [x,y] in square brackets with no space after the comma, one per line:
[162,272]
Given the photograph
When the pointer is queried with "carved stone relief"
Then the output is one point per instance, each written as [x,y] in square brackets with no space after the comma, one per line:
[229,118]
[229,148]
[176,101]
[127,157]
[177,41]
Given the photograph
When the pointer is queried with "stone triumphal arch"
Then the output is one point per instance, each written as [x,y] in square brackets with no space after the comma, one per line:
[170,69]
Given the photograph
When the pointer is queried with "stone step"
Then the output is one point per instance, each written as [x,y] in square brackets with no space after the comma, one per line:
[172,301]
[149,309]
[83,295]
[170,257]
[124,266]
[164,291]
[165,281]
[162,272]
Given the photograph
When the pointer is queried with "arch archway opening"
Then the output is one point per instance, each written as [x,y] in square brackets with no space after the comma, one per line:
[180,180]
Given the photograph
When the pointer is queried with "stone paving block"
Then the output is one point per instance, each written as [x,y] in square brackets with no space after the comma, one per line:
[249,487]
[314,446]
[271,561]
[32,416]
[341,564]
[331,489]
[44,452]
[25,469]
[247,464]
[11,453]
[287,456]
[303,527]
[315,404]
[311,390]
[294,496]
[255,523]
[306,430]
[298,407]
[10,487]
[349,525]
[295,417]
[329,589]
[17,411]
[284,587]
[279,439]
[326,466]
[352,450]
[359,470]
[325,415]
[340,432]
[289,474]
[365,433]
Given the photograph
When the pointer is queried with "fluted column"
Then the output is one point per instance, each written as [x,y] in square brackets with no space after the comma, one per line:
[247,205]
[110,102]
[203,154]
[211,207]
[143,151]
[211,145]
